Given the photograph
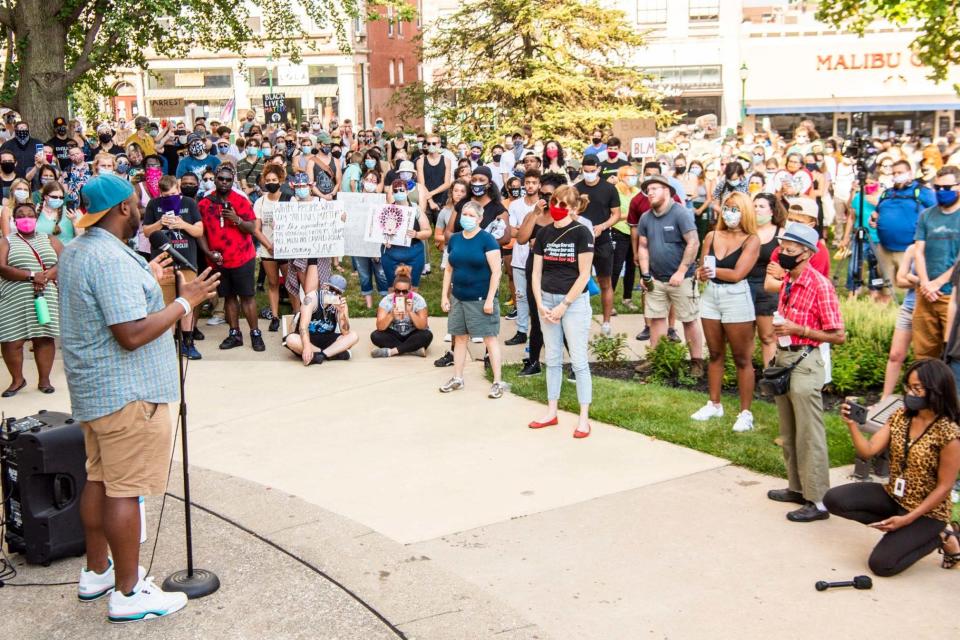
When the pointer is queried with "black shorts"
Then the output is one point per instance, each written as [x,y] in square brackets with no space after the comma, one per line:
[238,281]
[603,259]
[764,302]
[279,262]
[323,340]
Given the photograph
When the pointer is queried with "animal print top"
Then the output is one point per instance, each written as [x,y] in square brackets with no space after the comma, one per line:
[923,462]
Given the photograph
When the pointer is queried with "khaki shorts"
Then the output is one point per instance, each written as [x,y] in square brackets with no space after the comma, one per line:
[129,450]
[167,284]
[684,299]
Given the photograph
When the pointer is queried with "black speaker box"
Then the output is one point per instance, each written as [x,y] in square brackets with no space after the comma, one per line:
[42,468]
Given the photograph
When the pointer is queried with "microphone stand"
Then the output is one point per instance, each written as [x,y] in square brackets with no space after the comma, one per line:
[196,583]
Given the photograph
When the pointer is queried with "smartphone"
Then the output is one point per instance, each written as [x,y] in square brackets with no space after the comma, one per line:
[39,147]
[857,412]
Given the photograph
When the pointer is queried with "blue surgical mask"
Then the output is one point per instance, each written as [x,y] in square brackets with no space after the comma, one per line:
[695,171]
[370,163]
[54,203]
[307,149]
[400,196]
[632,181]
[253,151]
[302,192]
[468,223]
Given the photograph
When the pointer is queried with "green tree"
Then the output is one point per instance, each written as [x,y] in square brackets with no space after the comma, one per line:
[56,47]
[561,66]
[938,43]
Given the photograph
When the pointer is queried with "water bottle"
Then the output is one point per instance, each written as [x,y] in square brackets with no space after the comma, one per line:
[783,341]
[41,307]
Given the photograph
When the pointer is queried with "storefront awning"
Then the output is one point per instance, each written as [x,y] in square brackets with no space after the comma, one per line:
[844,108]
[188,94]
[317,90]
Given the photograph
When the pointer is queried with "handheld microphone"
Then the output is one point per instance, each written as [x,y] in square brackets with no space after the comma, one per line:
[160,242]
[859,582]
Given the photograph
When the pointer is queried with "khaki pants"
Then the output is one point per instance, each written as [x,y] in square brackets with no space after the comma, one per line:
[929,326]
[801,426]
[888,262]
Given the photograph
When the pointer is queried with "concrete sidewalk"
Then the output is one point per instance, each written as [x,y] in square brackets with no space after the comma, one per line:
[529,534]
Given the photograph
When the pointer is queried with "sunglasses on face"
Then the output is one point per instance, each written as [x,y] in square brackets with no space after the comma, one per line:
[224,178]
[402,291]
[944,187]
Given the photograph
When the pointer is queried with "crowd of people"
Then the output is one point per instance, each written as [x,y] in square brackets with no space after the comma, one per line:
[726,239]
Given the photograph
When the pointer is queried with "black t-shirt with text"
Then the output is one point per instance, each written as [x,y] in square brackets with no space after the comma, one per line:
[561,248]
[608,168]
[185,208]
[60,152]
[603,197]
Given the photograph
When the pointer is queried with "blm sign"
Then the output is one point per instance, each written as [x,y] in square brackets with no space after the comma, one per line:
[274,108]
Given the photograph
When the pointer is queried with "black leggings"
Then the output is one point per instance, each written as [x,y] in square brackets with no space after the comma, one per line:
[419,339]
[623,259]
[868,502]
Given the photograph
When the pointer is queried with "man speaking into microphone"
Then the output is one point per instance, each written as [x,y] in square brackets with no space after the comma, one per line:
[121,368]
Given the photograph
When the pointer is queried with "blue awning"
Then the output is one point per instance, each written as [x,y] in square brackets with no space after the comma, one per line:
[847,108]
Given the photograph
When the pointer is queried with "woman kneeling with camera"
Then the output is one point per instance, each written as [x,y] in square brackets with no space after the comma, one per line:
[913,508]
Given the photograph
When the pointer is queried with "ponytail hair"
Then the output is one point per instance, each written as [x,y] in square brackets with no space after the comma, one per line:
[402,275]
[575,201]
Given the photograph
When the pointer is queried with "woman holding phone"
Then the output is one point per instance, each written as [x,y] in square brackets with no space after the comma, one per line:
[401,320]
[913,508]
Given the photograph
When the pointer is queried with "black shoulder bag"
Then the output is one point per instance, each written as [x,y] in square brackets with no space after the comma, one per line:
[775,381]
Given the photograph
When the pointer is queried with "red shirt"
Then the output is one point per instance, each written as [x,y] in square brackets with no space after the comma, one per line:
[820,260]
[639,206]
[810,302]
[222,235]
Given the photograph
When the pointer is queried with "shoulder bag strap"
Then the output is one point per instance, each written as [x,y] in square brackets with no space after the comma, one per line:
[43,267]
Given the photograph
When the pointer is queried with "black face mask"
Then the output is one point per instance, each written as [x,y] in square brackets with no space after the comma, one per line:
[8,167]
[679,169]
[324,149]
[271,187]
[336,154]
[496,157]
[105,138]
[189,190]
[478,189]
[61,131]
[514,193]
[915,403]
[596,141]
[22,135]
[790,262]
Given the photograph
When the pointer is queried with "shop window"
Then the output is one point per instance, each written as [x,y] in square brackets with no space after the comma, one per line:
[651,11]
[704,10]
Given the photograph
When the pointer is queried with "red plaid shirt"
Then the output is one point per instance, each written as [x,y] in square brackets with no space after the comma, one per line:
[810,301]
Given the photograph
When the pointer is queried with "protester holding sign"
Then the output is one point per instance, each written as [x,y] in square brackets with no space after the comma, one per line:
[419,231]
[264,208]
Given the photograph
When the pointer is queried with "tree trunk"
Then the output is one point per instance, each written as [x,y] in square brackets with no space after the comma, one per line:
[42,89]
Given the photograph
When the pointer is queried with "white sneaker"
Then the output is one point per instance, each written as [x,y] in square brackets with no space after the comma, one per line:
[447,338]
[476,340]
[213,321]
[605,328]
[148,601]
[94,586]
[708,411]
[744,422]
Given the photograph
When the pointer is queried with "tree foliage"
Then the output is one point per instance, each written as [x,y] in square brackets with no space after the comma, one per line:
[938,43]
[561,66]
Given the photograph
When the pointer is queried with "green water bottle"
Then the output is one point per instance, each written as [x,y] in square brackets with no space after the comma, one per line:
[40,305]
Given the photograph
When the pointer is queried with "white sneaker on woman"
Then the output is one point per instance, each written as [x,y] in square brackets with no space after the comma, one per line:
[744,422]
[447,338]
[708,411]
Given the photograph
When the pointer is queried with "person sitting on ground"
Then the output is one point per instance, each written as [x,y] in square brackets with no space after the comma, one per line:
[323,325]
[913,507]
[401,320]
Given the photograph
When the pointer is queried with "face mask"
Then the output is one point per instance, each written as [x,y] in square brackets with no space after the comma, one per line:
[223,148]
[871,188]
[8,167]
[497,156]
[106,172]
[61,131]
[123,167]
[811,166]
[552,153]
[307,149]
[370,163]
[182,139]
[590,176]
[22,136]
[613,155]
[731,218]
[754,188]
[336,154]
[301,192]
[763,219]
[54,203]
[734,183]
[478,189]
[475,155]
[632,181]
[271,187]
[758,157]
[21,195]
[911,402]
[105,138]
[406,176]
[44,181]
[596,140]
[188,190]
[369,187]
[208,185]
[400,196]
[558,213]
[901,178]
[802,140]
[196,149]
[252,151]
[695,171]
[514,193]
[433,149]
[461,153]
[947,198]
[680,169]
[26,225]
[790,262]
[468,223]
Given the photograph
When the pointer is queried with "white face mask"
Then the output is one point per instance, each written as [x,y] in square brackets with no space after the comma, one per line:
[590,176]
[369,187]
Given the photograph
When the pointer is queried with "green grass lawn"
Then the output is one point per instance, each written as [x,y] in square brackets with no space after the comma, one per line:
[664,413]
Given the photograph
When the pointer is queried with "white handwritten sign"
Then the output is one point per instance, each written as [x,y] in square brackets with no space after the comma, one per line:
[308,230]
[389,224]
[359,207]
[643,147]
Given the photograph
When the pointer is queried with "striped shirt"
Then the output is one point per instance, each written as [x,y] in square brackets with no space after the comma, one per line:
[810,301]
[102,283]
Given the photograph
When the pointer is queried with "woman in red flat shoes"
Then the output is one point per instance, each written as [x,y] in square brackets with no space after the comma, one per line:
[563,257]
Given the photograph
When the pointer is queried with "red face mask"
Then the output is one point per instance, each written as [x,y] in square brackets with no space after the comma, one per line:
[871,188]
[552,152]
[558,213]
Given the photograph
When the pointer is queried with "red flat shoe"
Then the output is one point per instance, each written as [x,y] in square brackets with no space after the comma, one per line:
[541,425]
[581,434]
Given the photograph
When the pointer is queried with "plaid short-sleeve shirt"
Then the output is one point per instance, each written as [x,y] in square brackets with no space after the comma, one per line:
[102,283]
[810,301]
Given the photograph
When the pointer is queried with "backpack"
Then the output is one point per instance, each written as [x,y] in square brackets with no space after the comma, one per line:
[886,195]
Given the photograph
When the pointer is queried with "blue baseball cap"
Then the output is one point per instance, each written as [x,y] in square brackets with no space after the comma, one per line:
[99,195]
[337,282]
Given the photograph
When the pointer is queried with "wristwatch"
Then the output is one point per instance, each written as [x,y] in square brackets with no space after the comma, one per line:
[31,276]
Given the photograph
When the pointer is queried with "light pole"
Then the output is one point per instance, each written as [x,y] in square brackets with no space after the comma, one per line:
[270,72]
[743,92]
